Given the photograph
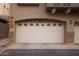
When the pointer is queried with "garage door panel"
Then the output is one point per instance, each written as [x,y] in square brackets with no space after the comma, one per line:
[40,34]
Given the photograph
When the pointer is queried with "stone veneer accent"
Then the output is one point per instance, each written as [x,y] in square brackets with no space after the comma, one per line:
[69,37]
[11,36]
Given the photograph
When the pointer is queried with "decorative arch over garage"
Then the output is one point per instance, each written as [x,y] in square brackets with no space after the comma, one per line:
[41,19]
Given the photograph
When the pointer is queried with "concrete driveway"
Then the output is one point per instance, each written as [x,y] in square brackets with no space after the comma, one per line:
[4,41]
[42,46]
[20,49]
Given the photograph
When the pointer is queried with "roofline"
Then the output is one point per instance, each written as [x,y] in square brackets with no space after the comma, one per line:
[4,19]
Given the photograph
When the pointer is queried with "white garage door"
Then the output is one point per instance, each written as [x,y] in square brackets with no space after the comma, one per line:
[76,34]
[40,32]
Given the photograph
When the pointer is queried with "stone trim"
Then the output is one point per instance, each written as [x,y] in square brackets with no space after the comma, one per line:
[69,37]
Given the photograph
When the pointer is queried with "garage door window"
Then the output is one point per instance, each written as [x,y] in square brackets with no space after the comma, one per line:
[31,24]
[36,24]
[25,24]
[42,24]
[19,24]
[48,24]
[54,24]
[59,24]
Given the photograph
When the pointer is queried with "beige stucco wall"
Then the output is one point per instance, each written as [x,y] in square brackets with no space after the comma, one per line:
[0,9]
[29,12]
[4,11]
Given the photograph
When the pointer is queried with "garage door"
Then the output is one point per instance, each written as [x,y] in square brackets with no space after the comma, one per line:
[76,34]
[4,30]
[38,32]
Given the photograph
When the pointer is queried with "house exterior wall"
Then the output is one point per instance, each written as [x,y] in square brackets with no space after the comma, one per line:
[4,27]
[32,12]
[0,9]
[4,9]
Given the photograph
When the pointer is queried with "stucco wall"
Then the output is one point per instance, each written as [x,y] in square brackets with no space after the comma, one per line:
[0,9]
[4,10]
